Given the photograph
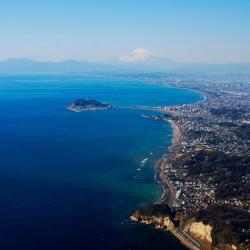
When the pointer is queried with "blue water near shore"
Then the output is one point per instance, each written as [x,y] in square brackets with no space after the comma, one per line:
[71,180]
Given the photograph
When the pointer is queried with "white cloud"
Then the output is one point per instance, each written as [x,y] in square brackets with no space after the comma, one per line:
[139,54]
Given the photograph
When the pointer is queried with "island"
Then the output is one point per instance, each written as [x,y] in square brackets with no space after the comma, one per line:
[81,105]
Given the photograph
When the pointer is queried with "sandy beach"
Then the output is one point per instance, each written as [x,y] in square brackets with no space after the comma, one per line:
[177,131]
[161,166]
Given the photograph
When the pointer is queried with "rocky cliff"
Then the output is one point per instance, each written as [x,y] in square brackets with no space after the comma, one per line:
[201,233]
[195,235]
[197,231]
[158,221]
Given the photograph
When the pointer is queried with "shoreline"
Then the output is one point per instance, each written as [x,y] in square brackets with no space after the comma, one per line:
[168,190]
[169,193]
[176,128]
[177,133]
[204,96]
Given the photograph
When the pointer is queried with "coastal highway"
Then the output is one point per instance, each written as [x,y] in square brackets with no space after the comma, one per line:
[186,240]
[169,191]
[183,236]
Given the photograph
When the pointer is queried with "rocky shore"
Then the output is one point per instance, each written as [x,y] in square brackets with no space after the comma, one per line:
[193,235]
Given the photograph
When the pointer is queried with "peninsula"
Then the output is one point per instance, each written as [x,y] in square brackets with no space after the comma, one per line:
[81,105]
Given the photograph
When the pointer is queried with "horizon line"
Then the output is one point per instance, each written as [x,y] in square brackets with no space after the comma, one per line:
[35,60]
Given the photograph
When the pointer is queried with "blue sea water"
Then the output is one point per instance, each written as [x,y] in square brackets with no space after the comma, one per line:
[71,180]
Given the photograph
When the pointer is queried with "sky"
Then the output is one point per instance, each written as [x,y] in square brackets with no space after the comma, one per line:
[209,31]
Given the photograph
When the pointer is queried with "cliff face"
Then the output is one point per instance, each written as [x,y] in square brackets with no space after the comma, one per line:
[158,221]
[201,233]
[192,233]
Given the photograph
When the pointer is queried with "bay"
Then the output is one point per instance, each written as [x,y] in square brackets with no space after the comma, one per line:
[71,180]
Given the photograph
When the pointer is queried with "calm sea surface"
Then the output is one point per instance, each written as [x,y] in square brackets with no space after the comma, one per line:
[71,180]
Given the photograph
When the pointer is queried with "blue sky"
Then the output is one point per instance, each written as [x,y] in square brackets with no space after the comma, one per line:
[183,30]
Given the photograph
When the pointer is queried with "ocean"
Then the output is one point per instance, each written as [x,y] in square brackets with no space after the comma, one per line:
[71,180]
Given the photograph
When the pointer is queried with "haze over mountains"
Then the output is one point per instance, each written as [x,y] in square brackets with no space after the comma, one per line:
[149,64]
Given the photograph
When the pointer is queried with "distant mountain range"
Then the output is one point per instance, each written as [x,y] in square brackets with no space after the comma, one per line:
[28,66]
[151,64]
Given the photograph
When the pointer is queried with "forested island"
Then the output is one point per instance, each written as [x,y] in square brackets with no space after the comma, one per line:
[80,105]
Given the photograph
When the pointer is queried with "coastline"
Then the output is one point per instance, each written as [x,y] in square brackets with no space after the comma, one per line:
[177,133]
[169,192]
[204,96]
